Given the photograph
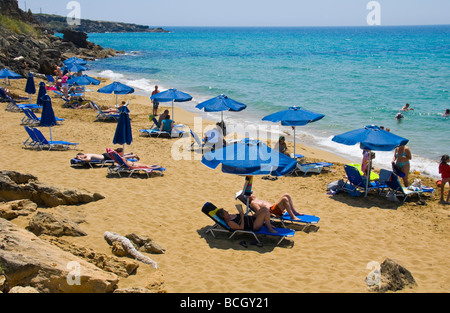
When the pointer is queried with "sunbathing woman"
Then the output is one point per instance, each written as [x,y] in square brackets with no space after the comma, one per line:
[89,157]
[132,164]
[241,221]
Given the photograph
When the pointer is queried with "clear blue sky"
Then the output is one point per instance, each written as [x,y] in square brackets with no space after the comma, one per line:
[250,12]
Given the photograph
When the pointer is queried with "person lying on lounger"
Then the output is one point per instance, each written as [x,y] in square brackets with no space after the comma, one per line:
[247,222]
[132,164]
[277,209]
[105,156]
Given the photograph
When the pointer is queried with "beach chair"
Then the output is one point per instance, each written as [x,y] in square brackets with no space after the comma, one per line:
[356,183]
[396,189]
[156,132]
[32,140]
[220,226]
[92,163]
[44,143]
[198,143]
[123,168]
[373,176]
[5,98]
[285,218]
[103,116]
[316,167]
[31,118]
[14,107]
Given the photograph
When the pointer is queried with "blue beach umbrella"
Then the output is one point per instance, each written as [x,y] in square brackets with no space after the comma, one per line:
[83,80]
[30,88]
[371,137]
[294,116]
[219,104]
[116,88]
[41,92]
[250,157]
[123,134]
[171,95]
[48,115]
[75,67]
[8,74]
[75,60]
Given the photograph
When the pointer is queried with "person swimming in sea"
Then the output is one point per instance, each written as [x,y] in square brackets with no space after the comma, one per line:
[399,116]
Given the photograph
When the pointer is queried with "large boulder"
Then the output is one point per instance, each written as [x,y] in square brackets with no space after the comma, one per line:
[27,260]
[15,186]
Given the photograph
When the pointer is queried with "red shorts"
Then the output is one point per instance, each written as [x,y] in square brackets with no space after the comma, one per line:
[276,210]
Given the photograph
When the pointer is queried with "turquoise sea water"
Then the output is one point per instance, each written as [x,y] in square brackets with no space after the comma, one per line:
[356,76]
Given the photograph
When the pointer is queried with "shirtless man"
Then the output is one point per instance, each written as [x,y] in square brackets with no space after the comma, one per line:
[89,156]
[277,209]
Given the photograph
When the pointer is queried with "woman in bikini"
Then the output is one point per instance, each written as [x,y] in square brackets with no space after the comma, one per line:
[247,222]
[402,156]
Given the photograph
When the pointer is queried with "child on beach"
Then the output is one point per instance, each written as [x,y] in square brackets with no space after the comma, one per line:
[444,170]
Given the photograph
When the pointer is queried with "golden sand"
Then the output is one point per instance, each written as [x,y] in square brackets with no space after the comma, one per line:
[333,257]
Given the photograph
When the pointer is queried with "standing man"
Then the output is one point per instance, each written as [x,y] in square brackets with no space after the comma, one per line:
[155,103]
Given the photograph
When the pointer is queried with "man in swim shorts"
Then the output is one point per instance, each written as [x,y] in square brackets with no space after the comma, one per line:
[276,209]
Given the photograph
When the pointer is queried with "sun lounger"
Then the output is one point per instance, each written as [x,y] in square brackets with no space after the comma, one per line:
[123,168]
[103,116]
[396,189]
[220,226]
[92,163]
[312,167]
[373,176]
[43,143]
[14,107]
[304,219]
[198,143]
[155,132]
[31,118]
[32,140]
[356,183]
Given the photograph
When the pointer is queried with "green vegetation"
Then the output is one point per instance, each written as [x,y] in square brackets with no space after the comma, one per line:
[17,26]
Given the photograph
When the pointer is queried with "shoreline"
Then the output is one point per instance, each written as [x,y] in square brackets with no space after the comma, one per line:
[351,154]
[332,257]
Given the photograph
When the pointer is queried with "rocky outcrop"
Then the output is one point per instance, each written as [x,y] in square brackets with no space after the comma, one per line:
[49,224]
[27,260]
[57,24]
[390,276]
[36,49]
[16,186]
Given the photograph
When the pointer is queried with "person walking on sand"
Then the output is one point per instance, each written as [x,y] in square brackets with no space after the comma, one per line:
[155,103]
[444,170]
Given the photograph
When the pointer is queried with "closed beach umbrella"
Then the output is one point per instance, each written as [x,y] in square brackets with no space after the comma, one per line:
[41,92]
[48,115]
[8,74]
[123,134]
[30,88]
[371,137]
[171,95]
[294,116]
[221,103]
[116,88]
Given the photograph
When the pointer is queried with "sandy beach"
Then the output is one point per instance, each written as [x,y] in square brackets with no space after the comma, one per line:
[327,258]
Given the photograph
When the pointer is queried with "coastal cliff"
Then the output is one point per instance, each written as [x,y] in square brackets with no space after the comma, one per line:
[57,24]
[27,46]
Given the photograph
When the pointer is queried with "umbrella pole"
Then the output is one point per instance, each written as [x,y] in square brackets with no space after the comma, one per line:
[173,118]
[116,102]
[294,142]
[369,169]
